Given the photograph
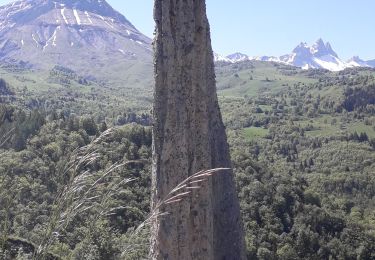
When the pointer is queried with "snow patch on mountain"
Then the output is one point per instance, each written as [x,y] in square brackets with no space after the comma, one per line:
[330,62]
[358,62]
[77,16]
[237,57]
[53,39]
[88,17]
[218,57]
[318,56]
[63,15]
[266,58]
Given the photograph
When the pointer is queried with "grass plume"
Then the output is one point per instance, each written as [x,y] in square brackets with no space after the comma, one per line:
[176,195]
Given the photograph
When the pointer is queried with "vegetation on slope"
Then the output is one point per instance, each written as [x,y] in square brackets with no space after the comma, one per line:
[302,145]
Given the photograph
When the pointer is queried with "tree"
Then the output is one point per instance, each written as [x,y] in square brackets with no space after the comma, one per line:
[88,124]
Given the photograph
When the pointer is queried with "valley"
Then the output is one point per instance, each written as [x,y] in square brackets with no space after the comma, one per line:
[76,141]
[291,131]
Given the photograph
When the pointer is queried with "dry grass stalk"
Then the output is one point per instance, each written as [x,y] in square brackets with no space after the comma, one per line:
[83,191]
[6,137]
[176,195]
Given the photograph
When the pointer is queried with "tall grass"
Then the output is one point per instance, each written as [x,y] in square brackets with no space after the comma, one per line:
[86,190]
[6,137]
[5,198]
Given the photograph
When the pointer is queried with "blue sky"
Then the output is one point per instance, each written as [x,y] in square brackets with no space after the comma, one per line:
[275,27]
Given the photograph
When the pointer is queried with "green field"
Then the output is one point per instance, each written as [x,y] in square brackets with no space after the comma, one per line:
[252,133]
[327,125]
[256,78]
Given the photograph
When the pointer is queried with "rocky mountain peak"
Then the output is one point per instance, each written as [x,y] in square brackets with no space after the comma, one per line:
[302,49]
[319,44]
[355,59]
[236,57]
[319,55]
[319,49]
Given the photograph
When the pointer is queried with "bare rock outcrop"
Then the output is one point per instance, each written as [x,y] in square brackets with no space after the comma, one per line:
[189,136]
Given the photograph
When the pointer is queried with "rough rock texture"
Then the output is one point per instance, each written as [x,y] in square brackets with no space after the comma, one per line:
[189,136]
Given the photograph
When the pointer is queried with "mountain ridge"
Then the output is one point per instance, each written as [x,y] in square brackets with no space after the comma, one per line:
[319,55]
[91,37]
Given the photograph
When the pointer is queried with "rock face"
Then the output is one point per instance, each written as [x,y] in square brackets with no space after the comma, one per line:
[189,136]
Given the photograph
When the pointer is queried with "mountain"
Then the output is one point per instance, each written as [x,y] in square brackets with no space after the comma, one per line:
[88,36]
[237,57]
[266,58]
[355,61]
[220,58]
[318,56]
[97,42]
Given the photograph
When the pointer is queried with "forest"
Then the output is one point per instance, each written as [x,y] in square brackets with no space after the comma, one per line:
[75,167]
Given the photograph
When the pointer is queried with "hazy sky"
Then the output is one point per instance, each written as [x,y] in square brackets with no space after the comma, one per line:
[275,27]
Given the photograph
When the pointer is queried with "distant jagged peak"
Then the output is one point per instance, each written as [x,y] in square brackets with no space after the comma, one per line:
[320,55]
[319,49]
[220,58]
[355,59]
[302,49]
[237,57]
[319,44]
[302,45]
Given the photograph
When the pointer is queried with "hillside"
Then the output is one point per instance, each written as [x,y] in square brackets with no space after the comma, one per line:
[302,146]
[251,78]
[320,137]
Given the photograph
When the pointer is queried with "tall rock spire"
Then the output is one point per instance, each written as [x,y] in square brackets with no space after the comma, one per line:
[189,136]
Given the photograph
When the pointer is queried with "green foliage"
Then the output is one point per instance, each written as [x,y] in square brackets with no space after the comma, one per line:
[302,146]
[32,178]
[5,89]
[305,168]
